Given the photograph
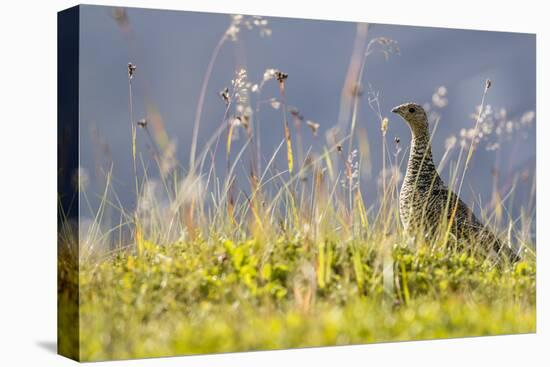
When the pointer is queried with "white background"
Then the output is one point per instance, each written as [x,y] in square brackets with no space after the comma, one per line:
[28,182]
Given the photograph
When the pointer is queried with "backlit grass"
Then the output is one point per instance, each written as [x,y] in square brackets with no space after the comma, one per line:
[193,297]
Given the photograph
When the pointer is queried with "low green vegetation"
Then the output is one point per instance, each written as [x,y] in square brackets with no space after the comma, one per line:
[198,297]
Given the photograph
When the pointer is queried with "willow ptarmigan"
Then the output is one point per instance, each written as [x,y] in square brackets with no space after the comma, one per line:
[425,201]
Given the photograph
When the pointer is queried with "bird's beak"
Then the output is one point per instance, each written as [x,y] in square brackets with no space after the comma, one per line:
[395,109]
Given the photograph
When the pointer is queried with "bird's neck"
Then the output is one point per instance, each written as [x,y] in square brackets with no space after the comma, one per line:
[420,157]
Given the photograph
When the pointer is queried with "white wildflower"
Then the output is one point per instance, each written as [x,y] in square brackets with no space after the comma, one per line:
[249,23]
[492,146]
[274,103]
[314,126]
[439,98]
[450,142]
[527,117]
[269,74]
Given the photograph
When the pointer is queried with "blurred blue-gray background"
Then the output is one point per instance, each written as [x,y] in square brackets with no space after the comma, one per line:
[171,50]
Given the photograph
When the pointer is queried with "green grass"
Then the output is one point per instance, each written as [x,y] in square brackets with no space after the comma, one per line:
[196,297]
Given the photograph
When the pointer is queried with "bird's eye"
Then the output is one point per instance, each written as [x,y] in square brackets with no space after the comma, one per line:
[412,110]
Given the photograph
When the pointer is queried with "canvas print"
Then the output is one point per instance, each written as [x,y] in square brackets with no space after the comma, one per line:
[233,183]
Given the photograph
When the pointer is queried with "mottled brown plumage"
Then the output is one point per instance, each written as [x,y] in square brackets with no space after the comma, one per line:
[425,201]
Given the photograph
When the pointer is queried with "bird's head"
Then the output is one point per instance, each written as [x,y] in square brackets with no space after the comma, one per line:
[414,115]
